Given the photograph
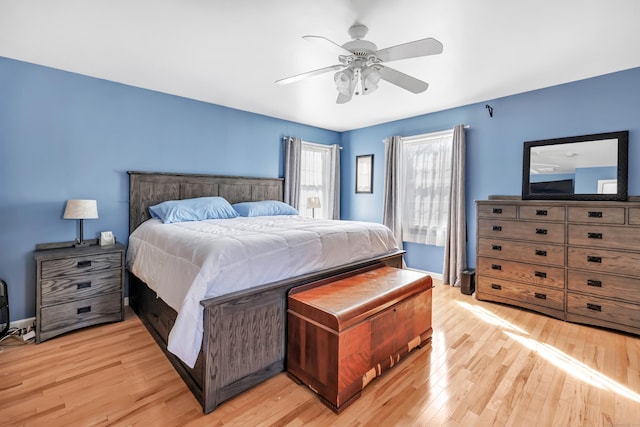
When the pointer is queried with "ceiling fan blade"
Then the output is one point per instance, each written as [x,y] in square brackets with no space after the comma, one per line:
[403,80]
[424,47]
[302,76]
[326,43]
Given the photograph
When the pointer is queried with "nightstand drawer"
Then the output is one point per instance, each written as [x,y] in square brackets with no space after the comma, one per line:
[63,289]
[79,265]
[62,318]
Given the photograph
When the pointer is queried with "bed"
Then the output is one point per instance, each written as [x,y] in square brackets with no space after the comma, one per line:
[243,340]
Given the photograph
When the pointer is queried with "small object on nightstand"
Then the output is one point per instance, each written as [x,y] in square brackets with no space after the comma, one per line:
[313,203]
[78,287]
[81,209]
[107,238]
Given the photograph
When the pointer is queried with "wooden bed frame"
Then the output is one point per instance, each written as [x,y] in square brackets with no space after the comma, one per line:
[244,340]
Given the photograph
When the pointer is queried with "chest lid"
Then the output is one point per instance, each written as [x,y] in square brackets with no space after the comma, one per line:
[347,301]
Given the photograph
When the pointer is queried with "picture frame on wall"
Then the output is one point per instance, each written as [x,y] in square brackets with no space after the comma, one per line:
[364,173]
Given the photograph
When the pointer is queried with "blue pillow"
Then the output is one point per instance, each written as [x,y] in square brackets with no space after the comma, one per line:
[264,208]
[197,209]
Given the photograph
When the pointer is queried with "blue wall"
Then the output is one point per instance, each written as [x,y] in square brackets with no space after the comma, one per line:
[495,145]
[64,135]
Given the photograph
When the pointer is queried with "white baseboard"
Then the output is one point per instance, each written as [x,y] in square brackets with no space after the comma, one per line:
[436,276]
[23,323]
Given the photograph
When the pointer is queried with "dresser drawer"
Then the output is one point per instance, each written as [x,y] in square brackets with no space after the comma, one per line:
[62,318]
[79,265]
[497,211]
[542,253]
[634,216]
[543,213]
[604,285]
[606,261]
[521,273]
[549,298]
[609,311]
[63,289]
[602,236]
[523,230]
[602,215]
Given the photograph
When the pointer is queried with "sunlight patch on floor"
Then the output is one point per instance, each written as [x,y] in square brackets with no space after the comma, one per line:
[490,317]
[574,367]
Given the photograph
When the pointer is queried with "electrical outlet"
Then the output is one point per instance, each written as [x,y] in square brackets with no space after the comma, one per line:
[28,335]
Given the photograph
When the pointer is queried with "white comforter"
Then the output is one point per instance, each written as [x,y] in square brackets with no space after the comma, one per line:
[187,262]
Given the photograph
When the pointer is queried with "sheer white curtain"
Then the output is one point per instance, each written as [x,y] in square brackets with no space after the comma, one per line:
[318,176]
[427,186]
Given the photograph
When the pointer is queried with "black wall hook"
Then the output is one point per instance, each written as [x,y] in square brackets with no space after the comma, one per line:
[490,108]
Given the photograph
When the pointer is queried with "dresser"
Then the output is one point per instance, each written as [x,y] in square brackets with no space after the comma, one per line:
[78,287]
[574,260]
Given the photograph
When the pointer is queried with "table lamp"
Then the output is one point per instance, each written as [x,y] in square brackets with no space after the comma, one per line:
[81,209]
[313,203]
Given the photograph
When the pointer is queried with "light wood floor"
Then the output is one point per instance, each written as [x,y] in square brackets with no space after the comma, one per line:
[489,365]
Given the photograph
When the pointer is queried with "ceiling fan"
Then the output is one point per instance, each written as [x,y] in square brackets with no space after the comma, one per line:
[361,64]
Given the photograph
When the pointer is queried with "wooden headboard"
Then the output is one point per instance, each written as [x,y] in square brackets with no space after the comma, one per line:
[150,188]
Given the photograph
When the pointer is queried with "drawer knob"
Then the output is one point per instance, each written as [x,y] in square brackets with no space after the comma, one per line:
[496,247]
[497,211]
[84,285]
[495,286]
[541,231]
[596,283]
[84,264]
[596,259]
[594,214]
[541,212]
[594,307]
[540,296]
[84,309]
[541,252]
[540,274]
[594,235]
[496,267]
[497,228]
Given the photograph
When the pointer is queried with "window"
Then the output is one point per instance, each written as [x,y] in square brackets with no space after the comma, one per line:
[316,183]
[426,180]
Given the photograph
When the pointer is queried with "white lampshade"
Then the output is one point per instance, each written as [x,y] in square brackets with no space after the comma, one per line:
[313,202]
[81,209]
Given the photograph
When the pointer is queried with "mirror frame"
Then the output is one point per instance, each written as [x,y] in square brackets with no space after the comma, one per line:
[623,155]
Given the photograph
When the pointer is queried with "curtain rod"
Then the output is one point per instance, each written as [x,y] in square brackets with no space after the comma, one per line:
[315,143]
[434,131]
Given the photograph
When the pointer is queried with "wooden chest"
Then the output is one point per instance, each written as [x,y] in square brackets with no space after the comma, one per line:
[344,333]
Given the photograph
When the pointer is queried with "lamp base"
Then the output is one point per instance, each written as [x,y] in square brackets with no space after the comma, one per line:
[82,244]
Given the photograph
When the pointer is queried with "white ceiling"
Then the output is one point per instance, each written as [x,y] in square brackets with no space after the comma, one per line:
[230,52]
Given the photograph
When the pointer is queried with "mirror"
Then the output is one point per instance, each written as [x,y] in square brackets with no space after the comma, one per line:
[587,167]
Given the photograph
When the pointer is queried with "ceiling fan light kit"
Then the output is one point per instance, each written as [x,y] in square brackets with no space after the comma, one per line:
[360,68]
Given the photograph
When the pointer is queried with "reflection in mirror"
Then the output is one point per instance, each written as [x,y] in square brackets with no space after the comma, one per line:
[588,167]
[577,167]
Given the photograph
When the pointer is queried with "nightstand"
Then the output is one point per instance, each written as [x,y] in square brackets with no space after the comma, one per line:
[78,287]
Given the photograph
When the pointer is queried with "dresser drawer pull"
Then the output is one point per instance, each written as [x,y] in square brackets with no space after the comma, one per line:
[597,259]
[496,247]
[594,214]
[594,307]
[540,274]
[596,283]
[541,231]
[84,285]
[541,212]
[594,235]
[496,267]
[84,309]
[497,228]
[497,287]
[84,264]
[540,296]
[541,253]
[497,210]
